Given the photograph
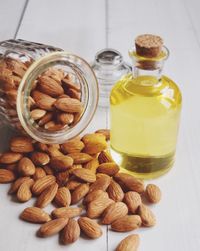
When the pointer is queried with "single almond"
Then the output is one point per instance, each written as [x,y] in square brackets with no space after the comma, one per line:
[72,146]
[10,157]
[26,167]
[62,178]
[6,176]
[96,194]
[39,173]
[84,175]
[24,192]
[48,170]
[80,158]
[43,101]
[15,186]
[115,191]
[130,243]
[68,83]
[40,158]
[50,86]
[109,168]
[61,163]
[126,223]
[92,165]
[71,232]
[45,119]
[52,227]
[69,105]
[130,182]
[73,184]
[79,193]
[73,93]
[21,145]
[147,216]
[153,193]
[66,212]
[47,196]
[56,74]
[35,215]
[105,132]
[104,157]
[65,118]
[101,183]
[37,114]
[94,143]
[63,197]
[133,201]
[41,147]
[54,151]
[41,184]
[90,227]
[113,212]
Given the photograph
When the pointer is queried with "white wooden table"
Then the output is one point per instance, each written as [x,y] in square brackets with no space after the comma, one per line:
[84,27]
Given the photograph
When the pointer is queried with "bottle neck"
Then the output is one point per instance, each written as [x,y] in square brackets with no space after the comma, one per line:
[155,73]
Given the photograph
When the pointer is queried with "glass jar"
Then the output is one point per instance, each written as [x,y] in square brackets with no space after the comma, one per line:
[15,90]
[109,67]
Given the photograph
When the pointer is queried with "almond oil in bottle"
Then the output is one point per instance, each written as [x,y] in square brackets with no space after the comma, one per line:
[145,112]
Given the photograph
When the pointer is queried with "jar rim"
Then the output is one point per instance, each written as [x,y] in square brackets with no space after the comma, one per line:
[89,81]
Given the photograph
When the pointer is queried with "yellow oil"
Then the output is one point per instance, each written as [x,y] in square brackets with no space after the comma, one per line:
[144,124]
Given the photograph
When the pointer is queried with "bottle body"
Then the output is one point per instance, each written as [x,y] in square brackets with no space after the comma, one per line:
[145,117]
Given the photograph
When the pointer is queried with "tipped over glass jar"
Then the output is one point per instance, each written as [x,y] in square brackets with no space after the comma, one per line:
[49,94]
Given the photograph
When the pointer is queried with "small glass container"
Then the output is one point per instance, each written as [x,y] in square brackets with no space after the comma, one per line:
[109,67]
[15,92]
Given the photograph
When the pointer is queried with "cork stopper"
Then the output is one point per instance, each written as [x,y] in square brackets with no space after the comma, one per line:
[148,45]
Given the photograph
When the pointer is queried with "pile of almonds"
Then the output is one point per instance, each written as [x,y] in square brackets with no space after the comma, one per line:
[55,100]
[79,172]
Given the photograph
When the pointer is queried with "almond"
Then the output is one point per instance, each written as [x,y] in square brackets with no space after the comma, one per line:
[6,176]
[109,168]
[84,175]
[40,158]
[39,173]
[130,243]
[130,182]
[153,193]
[80,158]
[56,74]
[61,163]
[35,215]
[47,196]
[21,145]
[104,157]
[37,114]
[73,94]
[115,192]
[43,101]
[15,186]
[73,184]
[89,227]
[52,227]
[24,192]
[41,184]
[71,232]
[126,223]
[94,143]
[66,212]
[113,212]
[92,165]
[41,147]
[26,167]
[105,132]
[96,194]
[69,105]
[62,178]
[101,183]
[45,119]
[96,207]
[63,197]
[67,82]
[147,216]
[65,118]
[72,146]
[54,152]
[10,158]
[133,201]
[50,86]
[79,193]
[48,170]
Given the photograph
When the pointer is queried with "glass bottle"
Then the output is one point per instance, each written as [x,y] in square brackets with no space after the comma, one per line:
[38,58]
[145,112]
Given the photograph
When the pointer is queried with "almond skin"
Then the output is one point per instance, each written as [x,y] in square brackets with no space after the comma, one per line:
[104,157]
[24,192]
[47,196]
[101,183]
[49,86]
[80,158]
[110,168]
[73,184]
[41,184]
[113,212]
[15,186]
[130,182]
[66,212]
[26,167]
[43,101]
[61,163]
[39,173]
[63,197]
[37,114]
[147,216]
[133,201]
[10,157]
[52,227]
[72,146]
[126,223]
[40,158]
[153,193]
[69,105]
[115,191]
[92,165]
[71,232]
[105,132]
[62,178]
[130,243]
[79,193]
[94,143]
[35,215]
[90,227]
[65,118]
[6,176]
[96,194]
[85,175]
[21,145]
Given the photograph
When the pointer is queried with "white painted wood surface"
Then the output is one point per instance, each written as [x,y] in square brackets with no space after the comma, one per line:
[83,27]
